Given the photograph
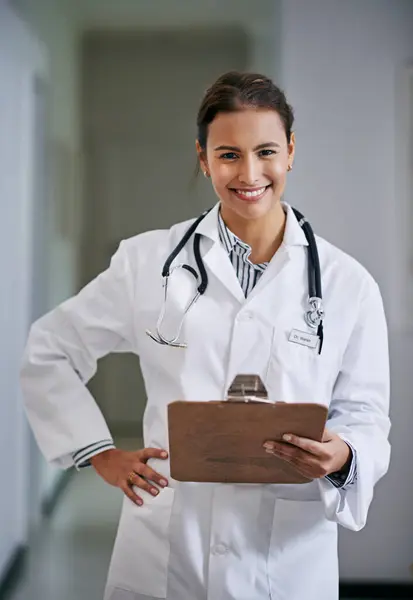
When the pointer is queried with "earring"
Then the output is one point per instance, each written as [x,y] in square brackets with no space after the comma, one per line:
[289,168]
[206,174]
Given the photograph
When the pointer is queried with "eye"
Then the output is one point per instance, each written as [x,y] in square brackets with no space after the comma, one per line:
[228,156]
[266,152]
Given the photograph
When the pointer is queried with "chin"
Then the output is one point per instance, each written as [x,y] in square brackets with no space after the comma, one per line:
[250,209]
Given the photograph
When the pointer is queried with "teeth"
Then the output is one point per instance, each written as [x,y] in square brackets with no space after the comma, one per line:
[251,194]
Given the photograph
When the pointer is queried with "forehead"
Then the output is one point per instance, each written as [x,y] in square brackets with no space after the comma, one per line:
[246,128]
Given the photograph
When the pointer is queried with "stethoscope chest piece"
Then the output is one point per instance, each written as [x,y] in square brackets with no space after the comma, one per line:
[315,315]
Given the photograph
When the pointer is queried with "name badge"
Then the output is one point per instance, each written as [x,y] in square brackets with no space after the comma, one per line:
[303,338]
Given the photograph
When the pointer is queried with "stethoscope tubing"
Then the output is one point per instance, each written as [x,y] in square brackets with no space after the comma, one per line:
[314,317]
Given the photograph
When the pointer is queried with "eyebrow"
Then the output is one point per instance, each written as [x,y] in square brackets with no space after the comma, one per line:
[259,147]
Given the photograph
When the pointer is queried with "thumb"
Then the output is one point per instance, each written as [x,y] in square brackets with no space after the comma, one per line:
[327,436]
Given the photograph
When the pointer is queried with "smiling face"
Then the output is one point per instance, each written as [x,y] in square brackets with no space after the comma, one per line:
[247,157]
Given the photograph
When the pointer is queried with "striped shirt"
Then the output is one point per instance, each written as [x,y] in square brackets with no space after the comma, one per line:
[239,252]
[248,275]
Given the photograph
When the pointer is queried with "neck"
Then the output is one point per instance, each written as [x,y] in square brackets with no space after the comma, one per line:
[263,235]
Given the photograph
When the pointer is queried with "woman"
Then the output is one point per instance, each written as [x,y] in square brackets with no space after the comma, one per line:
[189,541]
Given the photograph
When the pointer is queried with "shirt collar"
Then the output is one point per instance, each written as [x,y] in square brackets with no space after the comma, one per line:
[293,234]
[228,239]
[231,242]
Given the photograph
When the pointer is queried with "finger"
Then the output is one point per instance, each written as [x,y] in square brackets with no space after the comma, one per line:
[327,436]
[310,468]
[148,453]
[310,446]
[299,466]
[141,483]
[305,470]
[127,490]
[148,473]
[290,453]
[305,463]
[286,451]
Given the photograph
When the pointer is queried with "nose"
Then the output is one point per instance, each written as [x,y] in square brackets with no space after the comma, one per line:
[250,171]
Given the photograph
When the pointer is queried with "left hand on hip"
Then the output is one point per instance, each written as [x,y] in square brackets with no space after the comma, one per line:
[312,459]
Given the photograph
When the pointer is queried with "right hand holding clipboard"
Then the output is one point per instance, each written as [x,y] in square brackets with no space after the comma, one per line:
[310,458]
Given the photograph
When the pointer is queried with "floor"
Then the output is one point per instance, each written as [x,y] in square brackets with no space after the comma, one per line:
[69,557]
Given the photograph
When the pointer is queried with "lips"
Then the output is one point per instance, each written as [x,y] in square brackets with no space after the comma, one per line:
[250,194]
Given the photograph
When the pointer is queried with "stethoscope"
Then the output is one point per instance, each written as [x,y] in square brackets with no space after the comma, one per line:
[313,316]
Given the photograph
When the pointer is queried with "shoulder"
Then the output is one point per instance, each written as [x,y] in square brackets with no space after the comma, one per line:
[352,297]
[343,273]
[153,246]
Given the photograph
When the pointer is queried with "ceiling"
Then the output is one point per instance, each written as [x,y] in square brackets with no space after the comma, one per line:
[159,14]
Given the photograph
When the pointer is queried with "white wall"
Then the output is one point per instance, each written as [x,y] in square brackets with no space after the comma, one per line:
[56,26]
[20,59]
[340,67]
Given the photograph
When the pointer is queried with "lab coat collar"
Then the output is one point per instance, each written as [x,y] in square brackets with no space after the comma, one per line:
[216,257]
[209,224]
[293,234]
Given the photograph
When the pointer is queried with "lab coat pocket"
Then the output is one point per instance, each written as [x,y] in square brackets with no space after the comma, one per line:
[141,553]
[303,552]
[298,373]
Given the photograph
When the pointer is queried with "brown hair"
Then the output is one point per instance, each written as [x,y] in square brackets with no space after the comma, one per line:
[234,91]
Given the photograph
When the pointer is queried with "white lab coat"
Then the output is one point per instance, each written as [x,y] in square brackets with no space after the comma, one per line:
[221,541]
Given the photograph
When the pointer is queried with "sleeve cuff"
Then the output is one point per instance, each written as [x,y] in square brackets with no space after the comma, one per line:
[342,479]
[82,457]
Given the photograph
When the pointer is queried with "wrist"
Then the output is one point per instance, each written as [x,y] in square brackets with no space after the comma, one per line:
[101,456]
[345,459]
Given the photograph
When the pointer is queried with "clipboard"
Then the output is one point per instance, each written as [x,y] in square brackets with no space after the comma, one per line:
[222,441]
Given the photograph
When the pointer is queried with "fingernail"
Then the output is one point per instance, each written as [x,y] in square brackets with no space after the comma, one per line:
[163,482]
[164,454]
[269,445]
[154,491]
[287,437]
[139,501]
[270,451]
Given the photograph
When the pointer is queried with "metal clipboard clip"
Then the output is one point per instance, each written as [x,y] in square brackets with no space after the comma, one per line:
[248,388]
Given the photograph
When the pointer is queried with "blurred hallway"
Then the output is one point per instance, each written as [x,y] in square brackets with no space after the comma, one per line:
[73,68]
[69,555]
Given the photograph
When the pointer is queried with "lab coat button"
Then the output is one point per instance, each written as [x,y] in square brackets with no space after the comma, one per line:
[219,549]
